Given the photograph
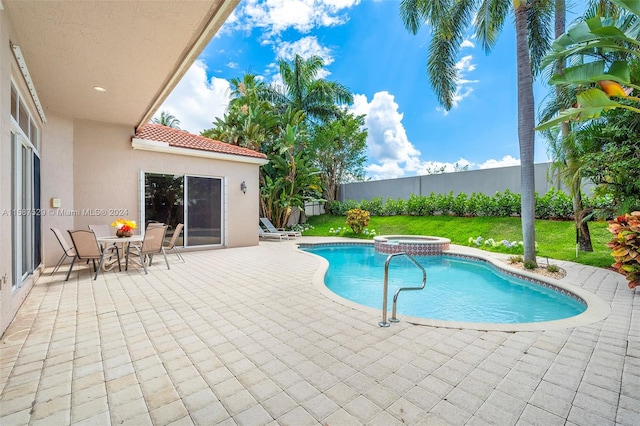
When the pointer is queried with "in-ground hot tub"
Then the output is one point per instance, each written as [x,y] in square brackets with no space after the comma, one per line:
[414,245]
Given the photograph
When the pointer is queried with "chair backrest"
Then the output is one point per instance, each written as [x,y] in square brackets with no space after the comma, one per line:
[86,244]
[174,237]
[267,224]
[153,239]
[68,248]
[154,224]
[101,230]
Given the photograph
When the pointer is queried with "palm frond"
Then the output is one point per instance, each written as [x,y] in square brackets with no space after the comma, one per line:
[490,20]
[443,50]
[540,16]
[415,13]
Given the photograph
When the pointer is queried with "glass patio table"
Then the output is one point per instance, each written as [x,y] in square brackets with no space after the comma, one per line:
[124,248]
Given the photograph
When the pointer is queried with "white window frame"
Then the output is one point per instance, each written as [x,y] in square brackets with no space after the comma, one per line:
[23,214]
[223,201]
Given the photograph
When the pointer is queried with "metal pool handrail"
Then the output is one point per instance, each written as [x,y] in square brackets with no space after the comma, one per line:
[384,322]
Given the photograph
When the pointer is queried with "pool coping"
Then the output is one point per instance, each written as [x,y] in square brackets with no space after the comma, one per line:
[597,308]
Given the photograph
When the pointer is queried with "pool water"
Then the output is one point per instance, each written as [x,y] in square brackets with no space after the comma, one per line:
[457,289]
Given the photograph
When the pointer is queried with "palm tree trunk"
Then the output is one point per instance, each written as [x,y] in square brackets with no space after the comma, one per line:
[582,228]
[526,134]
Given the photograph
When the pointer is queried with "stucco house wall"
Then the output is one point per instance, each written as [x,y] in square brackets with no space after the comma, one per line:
[94,171]
[91,165]
[57,181]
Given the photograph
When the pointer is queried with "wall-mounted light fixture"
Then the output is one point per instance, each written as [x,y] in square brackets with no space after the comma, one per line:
[243,187]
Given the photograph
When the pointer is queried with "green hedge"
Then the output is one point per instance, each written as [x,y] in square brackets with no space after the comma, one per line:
[552,205]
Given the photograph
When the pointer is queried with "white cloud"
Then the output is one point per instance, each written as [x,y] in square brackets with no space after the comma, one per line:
[464,65]
[276,16]
[305,47]
[197,100]
[389,150]
[387,142]
[432,167]
[506,161]
[467,43]
[463,88]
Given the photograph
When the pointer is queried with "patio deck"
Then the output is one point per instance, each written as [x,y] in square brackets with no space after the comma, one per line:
[242,336]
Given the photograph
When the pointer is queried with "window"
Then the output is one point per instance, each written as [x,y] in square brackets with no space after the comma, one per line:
[14,103]
[194,201]
[23,119]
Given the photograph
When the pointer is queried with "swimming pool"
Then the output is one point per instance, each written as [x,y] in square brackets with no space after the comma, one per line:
[459,289]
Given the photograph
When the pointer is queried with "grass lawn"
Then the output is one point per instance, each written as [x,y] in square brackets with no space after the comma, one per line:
[556,239]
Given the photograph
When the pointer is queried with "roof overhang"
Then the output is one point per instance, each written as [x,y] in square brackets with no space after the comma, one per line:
[164,147]
[137,50]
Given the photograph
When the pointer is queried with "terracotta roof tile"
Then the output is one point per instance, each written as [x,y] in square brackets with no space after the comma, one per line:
[182,139]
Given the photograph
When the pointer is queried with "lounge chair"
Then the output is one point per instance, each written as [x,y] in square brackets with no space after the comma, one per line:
[272,235]
[272,229]
[87,247]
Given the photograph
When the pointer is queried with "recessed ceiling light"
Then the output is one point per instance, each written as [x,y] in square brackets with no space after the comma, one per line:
[99,89]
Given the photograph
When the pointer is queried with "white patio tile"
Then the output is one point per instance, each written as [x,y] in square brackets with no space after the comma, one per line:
[261,345]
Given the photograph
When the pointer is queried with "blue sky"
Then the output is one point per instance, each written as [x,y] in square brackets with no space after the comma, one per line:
[366,48]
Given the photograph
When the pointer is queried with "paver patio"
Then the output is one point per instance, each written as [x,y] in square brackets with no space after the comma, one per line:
[242,336]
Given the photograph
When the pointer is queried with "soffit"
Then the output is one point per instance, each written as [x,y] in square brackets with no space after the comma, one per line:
[134,49]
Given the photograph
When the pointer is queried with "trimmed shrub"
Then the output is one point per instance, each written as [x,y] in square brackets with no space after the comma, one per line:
[553,205]
[459,204]
[507,204]
[395,207]
[373,206]
[443,203]
[416,205]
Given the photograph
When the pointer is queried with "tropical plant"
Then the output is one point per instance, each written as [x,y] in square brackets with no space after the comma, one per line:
[449,20]
[357,220]
[612,159]
[339,151]
[289,179]
[166,119]
[625,246]
[563,145]
[601,46]
[603,50]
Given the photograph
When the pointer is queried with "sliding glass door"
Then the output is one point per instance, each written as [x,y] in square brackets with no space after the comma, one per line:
[25,207]
[204,211]
[194,201]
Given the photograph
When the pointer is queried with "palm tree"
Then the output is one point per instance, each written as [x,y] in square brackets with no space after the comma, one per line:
[449,20]
[249,121]
[303,90]
[167,119]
